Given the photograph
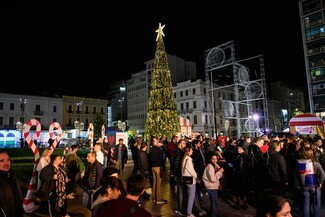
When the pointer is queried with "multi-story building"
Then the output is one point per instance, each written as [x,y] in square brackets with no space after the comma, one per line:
[194,103]
[16,110]
[83,110]
[21,108]
[312,20]
[292,99]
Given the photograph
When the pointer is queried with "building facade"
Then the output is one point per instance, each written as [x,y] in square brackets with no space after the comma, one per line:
[312,21]
[16,110]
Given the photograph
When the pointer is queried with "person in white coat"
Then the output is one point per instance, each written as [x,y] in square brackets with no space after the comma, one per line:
[211,175]
[43,162]
[189,171]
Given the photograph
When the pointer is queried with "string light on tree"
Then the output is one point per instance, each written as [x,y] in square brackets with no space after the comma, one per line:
[162,118]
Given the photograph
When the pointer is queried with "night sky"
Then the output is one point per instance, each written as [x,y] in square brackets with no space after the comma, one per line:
[77,48]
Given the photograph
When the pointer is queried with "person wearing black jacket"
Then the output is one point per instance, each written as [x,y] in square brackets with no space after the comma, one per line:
[177,174]
[256,173]
[120,156]
[91,179]
[107,152]
[144,165]
[54,180]
[199,166]
[11,202]
[276,167]
[156,156]
[135,147]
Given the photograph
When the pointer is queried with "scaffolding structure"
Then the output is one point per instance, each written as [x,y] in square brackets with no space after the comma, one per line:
[247,107]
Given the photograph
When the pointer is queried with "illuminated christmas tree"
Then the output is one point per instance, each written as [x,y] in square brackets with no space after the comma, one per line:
[162,118]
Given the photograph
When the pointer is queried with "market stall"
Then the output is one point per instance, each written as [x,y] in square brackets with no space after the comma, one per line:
[307,124]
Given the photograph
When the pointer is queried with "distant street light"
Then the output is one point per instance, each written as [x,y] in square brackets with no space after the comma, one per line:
[22,109]
[20,128]
[121,106]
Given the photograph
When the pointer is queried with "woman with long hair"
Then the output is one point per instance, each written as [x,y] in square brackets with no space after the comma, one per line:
[43,162]
[189,171]
[54,176]
[211,175]
[312,192]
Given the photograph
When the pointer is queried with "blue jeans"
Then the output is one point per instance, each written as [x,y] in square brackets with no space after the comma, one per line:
[190,198]
[312,200]
[180,186]
[87,197]
[213,197]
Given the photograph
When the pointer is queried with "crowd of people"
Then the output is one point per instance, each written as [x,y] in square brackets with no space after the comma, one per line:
[272,168]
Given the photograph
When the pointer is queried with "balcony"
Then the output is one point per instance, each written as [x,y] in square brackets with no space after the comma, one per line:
[189,110]
[319,107]
[39,113]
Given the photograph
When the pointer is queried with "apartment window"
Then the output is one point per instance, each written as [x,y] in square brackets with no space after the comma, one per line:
[12,106]
[204,91]
[194,104]
[102,110]
[194,91]
[87,109]
[186,92]
[1,121]
[181,94]
[11,121]
[54,120]
[195,119]
[55,109]
[182,106]
[94,110]
[1,105]
[175,95]
[70,108]
[187,105]
[205,104]
[38,108]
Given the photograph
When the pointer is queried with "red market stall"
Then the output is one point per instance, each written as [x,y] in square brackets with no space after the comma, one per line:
[186,126]
[307,124]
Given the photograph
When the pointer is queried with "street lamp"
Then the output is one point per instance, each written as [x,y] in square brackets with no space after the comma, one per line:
[121,106]
[22,108]
[79,126]
[20,128]
[79,104]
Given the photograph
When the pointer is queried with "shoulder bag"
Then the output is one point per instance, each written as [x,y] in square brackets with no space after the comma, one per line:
[187,180]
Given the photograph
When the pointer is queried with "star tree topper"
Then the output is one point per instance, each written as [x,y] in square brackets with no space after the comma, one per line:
[160,31]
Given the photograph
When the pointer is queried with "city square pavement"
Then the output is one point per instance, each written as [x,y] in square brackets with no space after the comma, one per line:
[75,209]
